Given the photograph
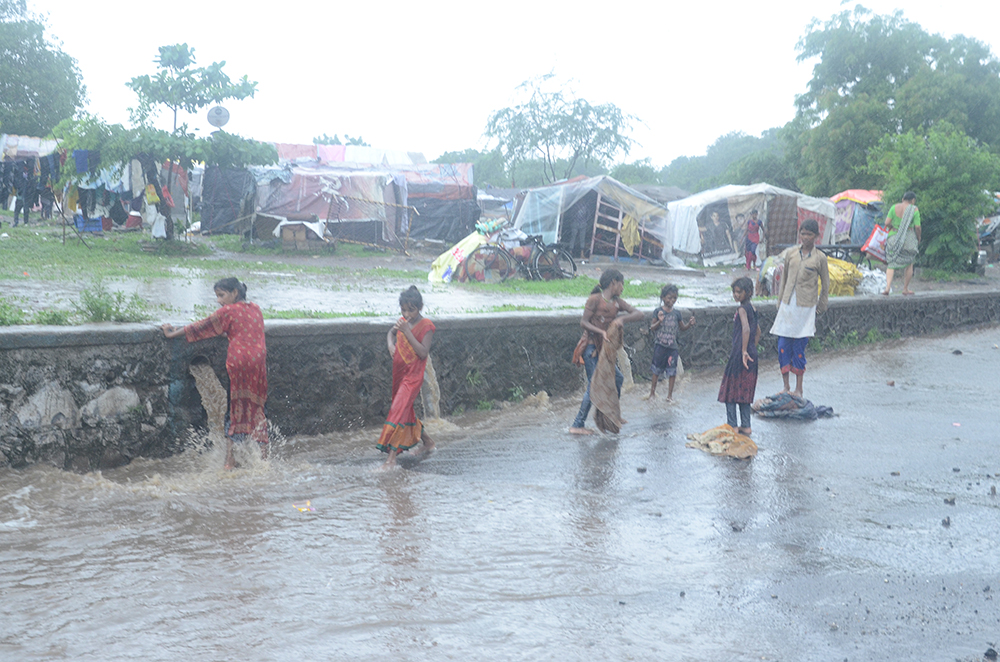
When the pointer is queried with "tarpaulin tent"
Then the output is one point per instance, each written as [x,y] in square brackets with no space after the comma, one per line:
[625,221]
[361,205]
[227,201]
[444,196]
[857,213]
[712,224]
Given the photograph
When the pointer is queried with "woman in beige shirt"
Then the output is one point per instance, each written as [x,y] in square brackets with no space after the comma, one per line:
[805,286]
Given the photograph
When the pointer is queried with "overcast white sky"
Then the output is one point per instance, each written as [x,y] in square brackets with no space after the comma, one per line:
[424,76]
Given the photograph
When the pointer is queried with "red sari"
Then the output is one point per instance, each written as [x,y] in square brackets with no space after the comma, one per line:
[246,363]
[402,428]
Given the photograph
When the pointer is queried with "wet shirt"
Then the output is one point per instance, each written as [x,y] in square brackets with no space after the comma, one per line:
[603,313]
[666,333]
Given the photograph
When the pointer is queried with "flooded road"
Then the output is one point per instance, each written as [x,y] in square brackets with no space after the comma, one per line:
[517,541]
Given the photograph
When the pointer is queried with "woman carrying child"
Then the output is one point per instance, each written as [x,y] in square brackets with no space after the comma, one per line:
[409,342]
[739,381]
[246,360]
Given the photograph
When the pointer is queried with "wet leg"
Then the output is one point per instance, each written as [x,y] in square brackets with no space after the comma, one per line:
[907,276]
[888,281]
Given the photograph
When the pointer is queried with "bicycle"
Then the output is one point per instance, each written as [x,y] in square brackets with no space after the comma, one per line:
[492,263]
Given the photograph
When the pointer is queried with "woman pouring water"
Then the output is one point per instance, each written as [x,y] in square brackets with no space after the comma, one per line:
[246,361]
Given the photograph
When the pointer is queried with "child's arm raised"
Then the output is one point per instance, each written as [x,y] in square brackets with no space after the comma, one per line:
[690,323]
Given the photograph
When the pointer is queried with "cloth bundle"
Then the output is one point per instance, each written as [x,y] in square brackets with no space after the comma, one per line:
[786,405]
[603,391]
[724,440]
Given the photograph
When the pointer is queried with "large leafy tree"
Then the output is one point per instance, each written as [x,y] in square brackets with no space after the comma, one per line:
[952,176]
[884,75]
[487,167]
[40,85]
[179,85]
[559,130]
[697,173]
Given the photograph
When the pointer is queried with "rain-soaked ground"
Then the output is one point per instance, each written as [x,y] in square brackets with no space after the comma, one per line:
[517,541]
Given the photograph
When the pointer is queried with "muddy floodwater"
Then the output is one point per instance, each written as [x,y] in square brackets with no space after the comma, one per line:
[869,536]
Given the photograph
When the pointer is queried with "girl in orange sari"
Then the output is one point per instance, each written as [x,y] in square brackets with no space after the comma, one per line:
[409,343]
[246,360]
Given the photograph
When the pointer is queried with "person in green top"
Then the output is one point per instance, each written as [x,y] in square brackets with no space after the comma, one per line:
[903,224]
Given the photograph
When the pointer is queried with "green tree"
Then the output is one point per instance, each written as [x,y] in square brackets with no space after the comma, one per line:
[487,167]
[698,173]
[179,85]
[335,140]
[637,172]
[769,166]
[884,75]
[952,176]
[40,85]
[558,129]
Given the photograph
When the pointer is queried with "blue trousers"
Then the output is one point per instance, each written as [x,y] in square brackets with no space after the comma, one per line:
[590,364]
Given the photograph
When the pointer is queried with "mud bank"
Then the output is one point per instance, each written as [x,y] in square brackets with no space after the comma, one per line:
[98,396]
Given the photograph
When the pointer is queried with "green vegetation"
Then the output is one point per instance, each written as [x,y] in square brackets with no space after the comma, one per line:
[484,405]
[53,317]
[580,286]
[271,313]
[848,340]
[10,314]
[517,393]
[98,304]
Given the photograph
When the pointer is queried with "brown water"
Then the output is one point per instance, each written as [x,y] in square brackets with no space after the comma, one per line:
[517,541]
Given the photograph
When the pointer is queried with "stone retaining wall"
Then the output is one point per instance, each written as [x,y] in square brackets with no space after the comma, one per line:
[97,396]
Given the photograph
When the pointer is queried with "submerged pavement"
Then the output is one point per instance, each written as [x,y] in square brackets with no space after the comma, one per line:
[871,535]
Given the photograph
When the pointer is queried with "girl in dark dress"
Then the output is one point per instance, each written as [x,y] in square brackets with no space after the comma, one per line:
[739,381]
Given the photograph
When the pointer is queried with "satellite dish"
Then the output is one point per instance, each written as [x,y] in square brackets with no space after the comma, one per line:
[218,116]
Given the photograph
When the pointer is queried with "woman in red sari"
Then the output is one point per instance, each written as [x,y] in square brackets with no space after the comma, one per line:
[409,343]
[246,360]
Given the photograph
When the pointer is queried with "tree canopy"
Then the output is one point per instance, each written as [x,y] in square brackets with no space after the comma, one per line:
[952,176]
[40,85]
[179,85]
[559,130]
[884,75]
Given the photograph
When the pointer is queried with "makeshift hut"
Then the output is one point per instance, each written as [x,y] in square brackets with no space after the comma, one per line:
[367,206]
[619,220]
[857,213]
[712,225]
[444,197]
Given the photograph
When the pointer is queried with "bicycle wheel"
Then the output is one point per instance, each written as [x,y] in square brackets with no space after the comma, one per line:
[487,264]
[554,262]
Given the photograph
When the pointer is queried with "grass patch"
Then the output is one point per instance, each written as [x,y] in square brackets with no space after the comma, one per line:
[942,276]
[53,318]
[98,304]
[581,286]
[848,340]
[10,314]
[271,313]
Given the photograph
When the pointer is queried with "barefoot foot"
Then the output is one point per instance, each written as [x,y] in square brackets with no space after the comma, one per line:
[580,431]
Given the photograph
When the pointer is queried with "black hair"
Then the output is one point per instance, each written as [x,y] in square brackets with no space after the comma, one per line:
[668,289]
[232,285]
[810,225]
[609,276]
[909,195]
[411,297]
[744,284]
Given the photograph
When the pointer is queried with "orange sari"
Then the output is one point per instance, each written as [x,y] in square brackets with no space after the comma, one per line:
[402,428]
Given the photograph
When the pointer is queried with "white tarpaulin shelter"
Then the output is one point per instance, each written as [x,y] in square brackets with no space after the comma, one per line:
[623,219]
[713,224]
